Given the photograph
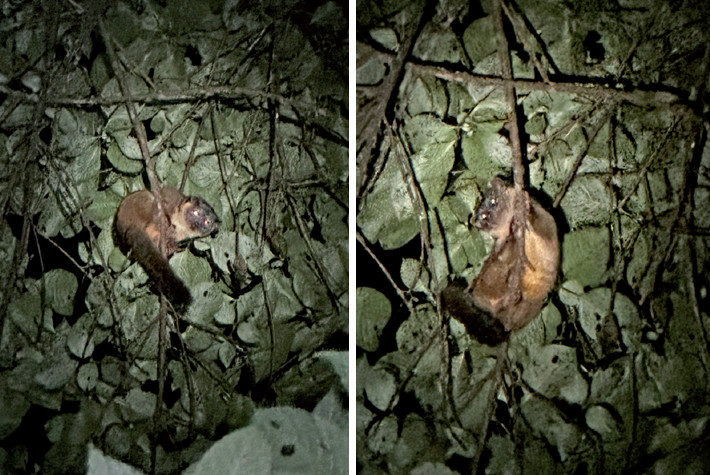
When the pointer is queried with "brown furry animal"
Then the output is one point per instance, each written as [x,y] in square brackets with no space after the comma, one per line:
[520,271]
[138,231]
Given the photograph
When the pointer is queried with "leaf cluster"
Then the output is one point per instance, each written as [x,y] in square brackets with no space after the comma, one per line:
[611,377]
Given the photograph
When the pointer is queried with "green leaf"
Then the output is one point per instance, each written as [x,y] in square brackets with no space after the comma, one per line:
[210,305]
[87,376]
[191,269]
[51,219]
[502,455]
[137,405]
[386,37]
[413,274]
[587,201]
[85,169]
[26,312]
[103,207]
[79,342]
[387,215]
[15,406]
[121,162]
[224,250]
[138,316]
[205,173]
[373,313]
[601,421]
[479,39]
[306,284]
[339,361]
[103,249]
[486,151]
[227,353]
[553,371]
[58,368]
[431,167]
[563,437]
[415,332]
[586,255]
[440,45]
[248,333]
[426,95]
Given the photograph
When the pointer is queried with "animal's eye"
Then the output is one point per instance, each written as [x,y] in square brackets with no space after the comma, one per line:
[492,201]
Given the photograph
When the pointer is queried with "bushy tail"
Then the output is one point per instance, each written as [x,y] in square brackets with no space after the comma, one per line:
[479,323]
[158,269]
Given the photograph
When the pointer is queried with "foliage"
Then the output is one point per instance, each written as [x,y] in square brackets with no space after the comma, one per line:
[244,104]
[613,376]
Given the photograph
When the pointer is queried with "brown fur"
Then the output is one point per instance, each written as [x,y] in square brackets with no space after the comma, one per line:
[138,223]
[515,280]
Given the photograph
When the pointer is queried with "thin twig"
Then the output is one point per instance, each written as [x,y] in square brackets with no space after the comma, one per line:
[510,97]
[384,97]
[636,97]
[363,242]
[501,359]
[602,120]
[138,127]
